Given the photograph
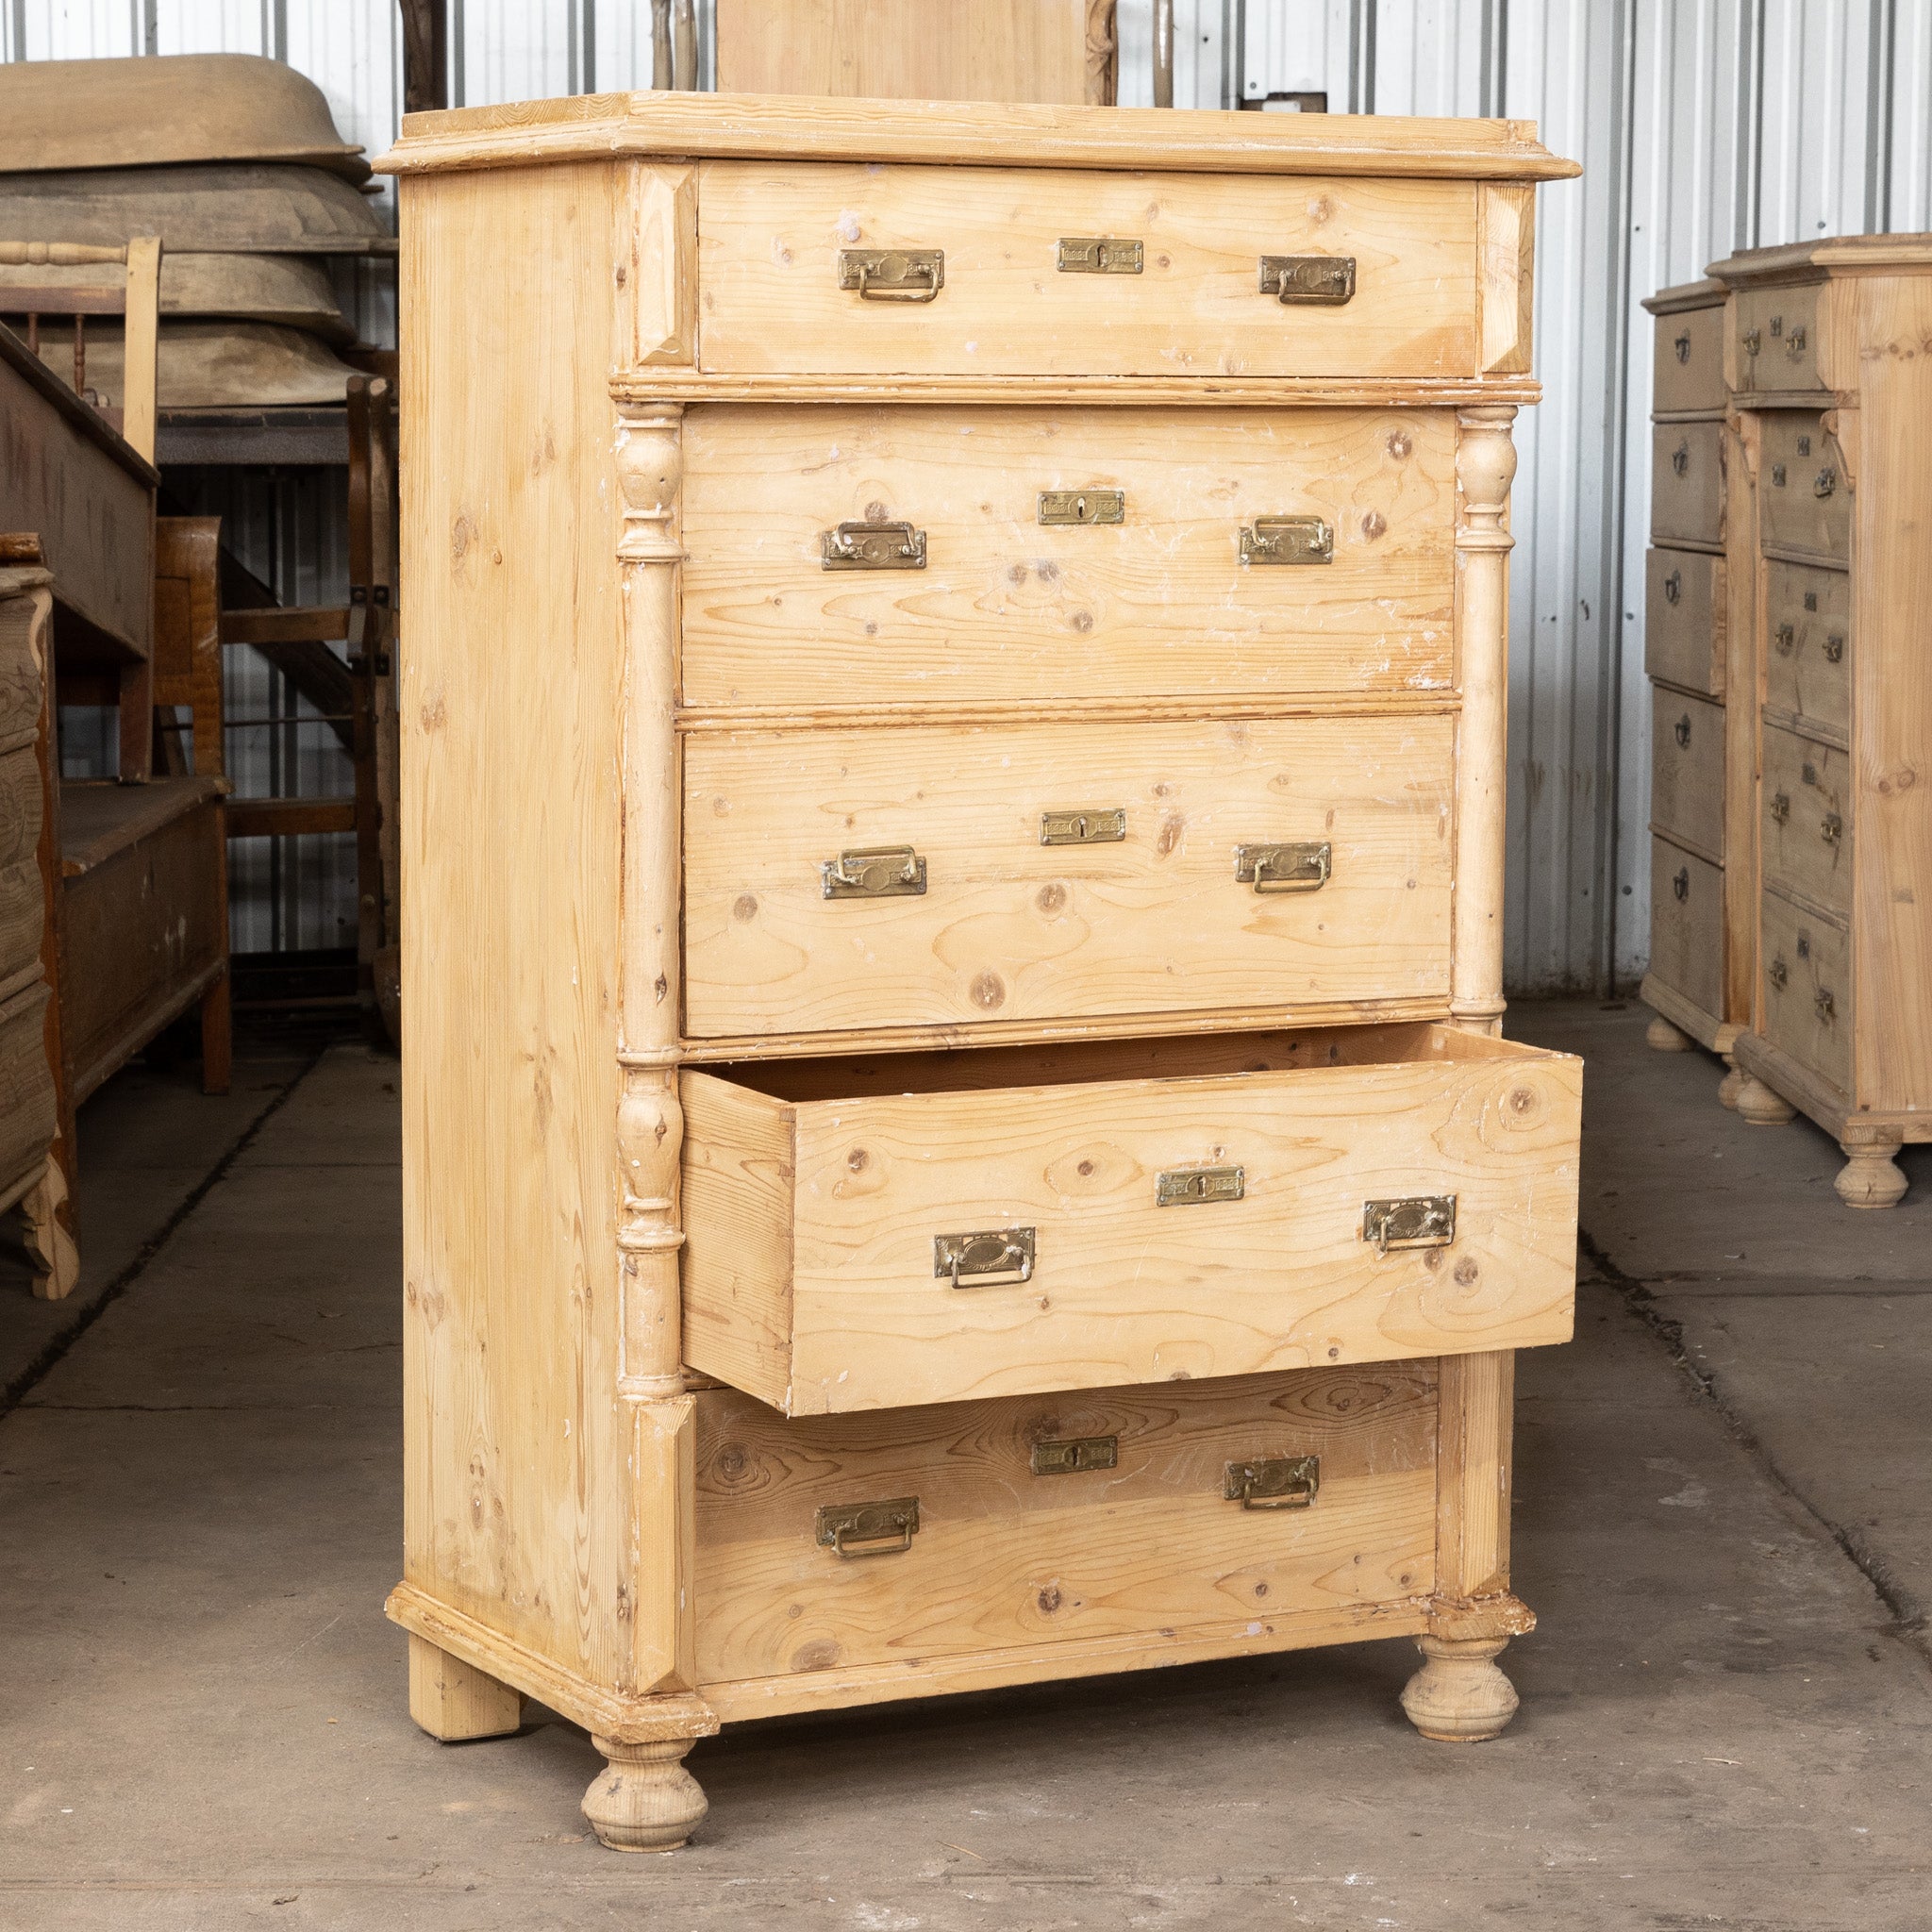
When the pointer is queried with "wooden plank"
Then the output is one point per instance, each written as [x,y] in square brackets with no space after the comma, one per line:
[768,237]
[282,818]
[1160,605]
[452,1700]
[1011,928]
[188,642]
[1151,1548]
[21,895]
[26,1091]
[100,818]
[293,625]
[1506,215]
[1474,1474]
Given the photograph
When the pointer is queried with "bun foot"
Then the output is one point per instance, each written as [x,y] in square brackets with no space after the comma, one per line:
[55,1259]
[1665,1038]
[645,1801]
[1759,1107]
[1869,1178]
[1731,1085]
[1460,1696]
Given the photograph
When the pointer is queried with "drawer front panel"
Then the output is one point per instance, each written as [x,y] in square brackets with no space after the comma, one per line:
[1023,914]
[1687,483]
[1687,925]
[1807,645]
[1687,770]
[1690,365]
[1807,971]
[27,1084]
[22,895]
[1806,503]
[1004,606]
[1004,1557]
[1808,818]
[1684,619]
[1128,1230]
[776,239]
[1777,339]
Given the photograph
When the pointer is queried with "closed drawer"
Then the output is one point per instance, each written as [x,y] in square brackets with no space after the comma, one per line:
[1808,818]
[1808,990]
[1807,665]
[1687,483]
[22,895]
[925,1227]
[782,248]
[983,595]
[952,875]
[1690,364]
[1687,771]
[1687,925]
[1148,1543]
[1684,620]
[20,671]
[1777,339]
[1805,503]
[27,1085]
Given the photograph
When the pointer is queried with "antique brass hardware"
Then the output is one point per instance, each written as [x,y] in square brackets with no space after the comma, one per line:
[1682,345]
[893,274]
[871,546]
[869,1529]
[1273,1482]
[1781,806]
[1824,483]
[1288,540]
[1083,506]
[1777,475]
[1808,772]
[1777,324]
[875,871]
[1810,600]
[1099,255]
[1326,281]
[1674,586]
[1803,946]
[1680,883]
[1834,649]
[1095,826]
[1752,340]
[1804,445]
[1680,460]
[1681,730]
[1077,1457]
[1296,868]
[1823,1004]
[1787,639]
[1182,1187]
[1831,828]
[986,1259]
[1777,972]
[1795,343]
[1421,1220]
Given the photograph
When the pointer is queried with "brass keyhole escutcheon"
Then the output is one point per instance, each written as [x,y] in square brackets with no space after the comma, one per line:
[1682,345]
[1674,586]
[1777,972]
[1680,883]
[1752,342]
[1834,649]
[1781,806]
[1681,731]
[1824,483]
[1823,1004]
[1777,475]
[1680,460]
[1787,639]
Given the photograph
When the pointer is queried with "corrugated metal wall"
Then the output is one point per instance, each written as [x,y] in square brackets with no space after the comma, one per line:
[1704,126]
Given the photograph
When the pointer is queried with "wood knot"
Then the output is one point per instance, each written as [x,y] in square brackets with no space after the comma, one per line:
[746,907]
[859,1160]
[1522,1099]
[1399,445]
[1051,899]
[1082,622]
[1050,1599]
[1373,524]
[988,991]
[1467,1271]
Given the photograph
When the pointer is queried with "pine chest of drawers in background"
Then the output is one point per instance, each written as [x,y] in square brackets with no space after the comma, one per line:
[955,1125]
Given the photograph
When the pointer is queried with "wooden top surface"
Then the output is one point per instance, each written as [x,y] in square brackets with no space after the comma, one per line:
[809,127]
[100,817]
[17,357]
[1812,261]
[1704,294]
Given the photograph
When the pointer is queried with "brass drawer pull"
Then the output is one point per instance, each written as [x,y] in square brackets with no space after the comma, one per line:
[1273,1482]
[1095,826]
[1681,731]
[1777,972]
[869,1529]
[1834,649]
[1824,483]
[1674,586]
[1682,345]
[1680,883]
[1781,806]
[1752,340]
[878,872]
[1795,343]
[1085,507]
[1421,1220]
[1099,255]
[1831,828]
[1182,1187]
[1077,1457]
[893,274]
[1288,540]
[986,1259]
[1787,639]
[1320,281]
[1680,460]
[1777,475]
[871,546]
[1294,868]
[1823,1004]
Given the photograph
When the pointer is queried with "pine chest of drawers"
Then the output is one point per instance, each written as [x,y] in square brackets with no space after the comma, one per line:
[957,1130]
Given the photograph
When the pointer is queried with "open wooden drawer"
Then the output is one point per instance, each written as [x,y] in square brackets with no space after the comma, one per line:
[933,1228]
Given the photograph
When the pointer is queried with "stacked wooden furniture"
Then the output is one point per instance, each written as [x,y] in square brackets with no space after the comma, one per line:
[956,1124]
[1832,393]
[1700,910]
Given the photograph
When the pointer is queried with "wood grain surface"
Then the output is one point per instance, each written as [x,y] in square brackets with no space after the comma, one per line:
[1687,930]
[1687,775]
[1158,606]
[1687,483]
[1815,955]
[1814,780]
[1798,454]
[21,896]
[1684,620]
[1808,614]
[1690,377]
[1009,928]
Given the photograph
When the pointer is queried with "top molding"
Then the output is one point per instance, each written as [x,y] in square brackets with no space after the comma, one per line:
[807,127]
[1704,294]
[1813,261]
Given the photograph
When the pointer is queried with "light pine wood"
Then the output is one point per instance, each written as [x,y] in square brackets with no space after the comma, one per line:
[1687,927]
[454,1701]
[1814,956]
[1119,391]
[1009,927]
[1806,835]
[1686,799]
[1688,361]
[1507,220]
[1777,334]
[1686,496]
[1158,606]
[768,237]
[1686,627]
[1807,648]
[1800,453]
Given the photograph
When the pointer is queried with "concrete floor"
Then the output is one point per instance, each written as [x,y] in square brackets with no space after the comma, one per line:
[1722,1509]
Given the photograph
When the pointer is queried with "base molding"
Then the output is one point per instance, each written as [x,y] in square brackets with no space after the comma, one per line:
[1706,1029]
